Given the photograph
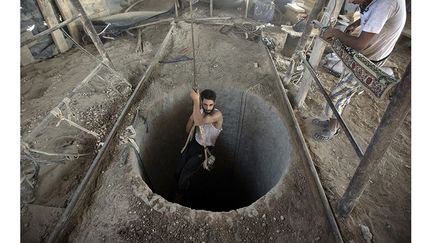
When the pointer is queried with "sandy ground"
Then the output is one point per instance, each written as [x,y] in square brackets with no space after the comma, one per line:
[385,206]
[95,107]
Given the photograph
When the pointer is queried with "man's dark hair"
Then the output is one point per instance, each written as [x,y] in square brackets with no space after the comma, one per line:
[208,94]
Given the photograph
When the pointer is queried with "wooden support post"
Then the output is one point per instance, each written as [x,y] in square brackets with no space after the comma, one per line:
[393,118]
[247,8]
[67,13]
[88,26]
[211,8]
[26,55]
[317,8]
[50,18]
[176,8]
[317,52]
[48,31]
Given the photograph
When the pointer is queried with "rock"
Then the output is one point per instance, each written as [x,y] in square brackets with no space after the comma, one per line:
[367,235]
[282,217]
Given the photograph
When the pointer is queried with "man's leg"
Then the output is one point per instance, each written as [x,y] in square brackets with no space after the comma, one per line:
[181,162]
[192,165]
[340,95]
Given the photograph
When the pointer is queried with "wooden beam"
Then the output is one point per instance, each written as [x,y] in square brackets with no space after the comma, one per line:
[26,55]
[393,118]
[50,18]
[317,52]
[88,26]
[68,13]
[308,160]
[48,31]
[211,8]
[176,8]
[247,8]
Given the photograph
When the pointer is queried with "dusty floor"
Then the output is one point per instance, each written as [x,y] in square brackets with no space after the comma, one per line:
[385,206]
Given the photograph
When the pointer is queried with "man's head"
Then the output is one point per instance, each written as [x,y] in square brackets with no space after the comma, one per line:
[208,100]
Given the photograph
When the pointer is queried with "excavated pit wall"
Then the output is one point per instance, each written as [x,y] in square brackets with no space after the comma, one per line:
[252,152]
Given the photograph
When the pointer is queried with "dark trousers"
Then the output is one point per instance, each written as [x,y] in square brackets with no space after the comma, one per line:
[190,162]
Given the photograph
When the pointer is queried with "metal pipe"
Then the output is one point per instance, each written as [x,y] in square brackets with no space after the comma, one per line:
[393,118]
[50,30]
[348,133]
[179,19]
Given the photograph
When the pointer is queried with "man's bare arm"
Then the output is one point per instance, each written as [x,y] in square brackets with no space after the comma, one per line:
[359,43]
[350,28]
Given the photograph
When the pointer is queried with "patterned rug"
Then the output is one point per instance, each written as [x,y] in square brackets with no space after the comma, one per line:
[370,75]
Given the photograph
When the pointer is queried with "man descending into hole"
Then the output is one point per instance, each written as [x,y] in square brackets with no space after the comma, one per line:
[381,23]
[204,127]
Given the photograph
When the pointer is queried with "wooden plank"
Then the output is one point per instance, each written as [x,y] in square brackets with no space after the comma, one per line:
[26,56]
[247,8]
[67,12]
[295,8]
[50,18]
[88,26]
[393,118]
[30,41]
[176,8]
[316,55]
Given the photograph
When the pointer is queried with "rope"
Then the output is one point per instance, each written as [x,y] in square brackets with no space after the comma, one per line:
[27,150]
[58,113]
[195,85]
[131,137]
[209,159]
[189,138]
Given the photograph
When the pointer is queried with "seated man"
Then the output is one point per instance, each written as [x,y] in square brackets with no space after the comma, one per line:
[381,22]
[206,124]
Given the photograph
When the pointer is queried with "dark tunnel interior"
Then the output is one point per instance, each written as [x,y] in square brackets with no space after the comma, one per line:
[252,152]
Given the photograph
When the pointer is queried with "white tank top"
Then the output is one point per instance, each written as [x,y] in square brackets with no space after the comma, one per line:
[211,133]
